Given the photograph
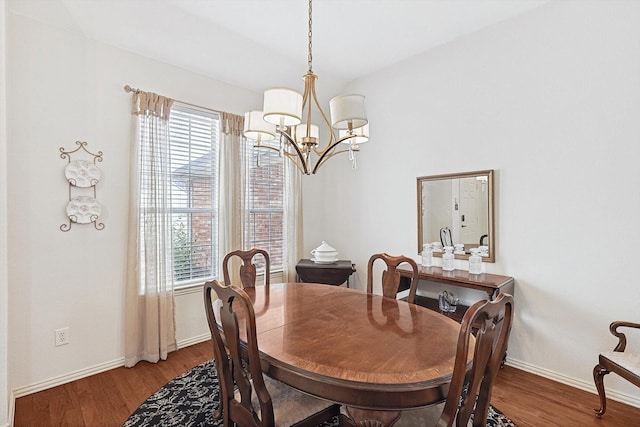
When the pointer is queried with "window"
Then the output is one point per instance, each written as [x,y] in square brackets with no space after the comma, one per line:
[264,217]
[194,157]
[193,150]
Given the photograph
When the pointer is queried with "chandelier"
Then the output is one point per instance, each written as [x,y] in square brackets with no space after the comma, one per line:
[280,126]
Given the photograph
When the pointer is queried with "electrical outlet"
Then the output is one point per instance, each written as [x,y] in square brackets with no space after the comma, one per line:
[62,336]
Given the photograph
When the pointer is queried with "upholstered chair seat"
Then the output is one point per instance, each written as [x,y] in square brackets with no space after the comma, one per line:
[427,416]
[627,361]
[293,407]
[624,363]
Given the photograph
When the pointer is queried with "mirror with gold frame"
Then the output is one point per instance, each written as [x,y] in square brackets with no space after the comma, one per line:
[457,208]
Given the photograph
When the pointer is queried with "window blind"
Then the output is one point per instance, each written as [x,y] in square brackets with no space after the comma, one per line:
[194,149]
[264,203]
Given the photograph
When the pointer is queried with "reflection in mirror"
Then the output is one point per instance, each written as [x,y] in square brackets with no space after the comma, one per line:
[457,210]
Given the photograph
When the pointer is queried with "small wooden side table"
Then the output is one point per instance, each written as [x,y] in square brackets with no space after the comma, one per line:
[335,273]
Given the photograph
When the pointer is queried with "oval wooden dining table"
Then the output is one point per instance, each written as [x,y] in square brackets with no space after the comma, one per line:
[375,355]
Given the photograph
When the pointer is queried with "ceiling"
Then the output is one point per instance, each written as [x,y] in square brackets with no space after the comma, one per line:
[262,43]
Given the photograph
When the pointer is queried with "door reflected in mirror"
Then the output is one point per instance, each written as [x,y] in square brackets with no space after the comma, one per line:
[457,210]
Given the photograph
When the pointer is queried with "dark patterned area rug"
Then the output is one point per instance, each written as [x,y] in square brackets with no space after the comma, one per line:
[190,399]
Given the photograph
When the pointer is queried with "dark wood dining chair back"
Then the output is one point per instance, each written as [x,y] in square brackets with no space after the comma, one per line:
[391,277]
[483,335]
[248,272]
[237,360]
[229,364]
[470,391]
[624,363]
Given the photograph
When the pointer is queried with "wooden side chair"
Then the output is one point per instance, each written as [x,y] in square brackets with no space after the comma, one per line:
[259,401]
[625,364]
[248,267]
[470,390]
[391,277]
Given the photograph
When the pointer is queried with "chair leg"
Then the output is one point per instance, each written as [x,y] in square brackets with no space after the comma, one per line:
[598,377]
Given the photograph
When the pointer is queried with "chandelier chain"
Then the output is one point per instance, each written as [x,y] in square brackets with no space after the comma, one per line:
[310,58]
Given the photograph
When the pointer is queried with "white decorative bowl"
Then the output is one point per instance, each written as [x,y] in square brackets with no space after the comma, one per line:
[324,253]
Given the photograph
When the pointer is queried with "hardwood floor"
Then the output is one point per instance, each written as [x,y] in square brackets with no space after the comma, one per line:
[107,399]
[530,400]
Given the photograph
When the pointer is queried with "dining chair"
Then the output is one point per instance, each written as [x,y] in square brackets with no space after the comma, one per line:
[248,267]
[624,363]
[247,397]
[470,389]
[445,236]
[391,277]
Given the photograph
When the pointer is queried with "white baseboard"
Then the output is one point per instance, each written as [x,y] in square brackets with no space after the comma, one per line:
[579,384]
[82,373]
[12,408]
[66,378]
[194,340]
[92,370]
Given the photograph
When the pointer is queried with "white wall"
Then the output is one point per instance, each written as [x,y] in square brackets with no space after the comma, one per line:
[62,88]
[4,283]
[551,101]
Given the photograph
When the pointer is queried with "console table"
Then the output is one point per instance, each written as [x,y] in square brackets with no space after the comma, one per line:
[331,274]
[492,284]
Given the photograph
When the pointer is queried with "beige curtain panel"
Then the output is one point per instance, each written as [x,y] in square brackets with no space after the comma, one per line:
[232,183]
[149,308]
[152,104]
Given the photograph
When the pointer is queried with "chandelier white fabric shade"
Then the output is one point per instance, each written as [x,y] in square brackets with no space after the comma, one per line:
[282,106]
[361,135]
[301,132]
[256,128]
[348,112]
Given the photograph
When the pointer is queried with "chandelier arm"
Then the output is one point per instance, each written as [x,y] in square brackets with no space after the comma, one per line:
[310,97]
[327,157]
[336,152]
[329,152]
[300,154]
[294,157]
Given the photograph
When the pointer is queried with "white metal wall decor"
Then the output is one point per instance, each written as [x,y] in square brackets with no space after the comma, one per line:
[82,176]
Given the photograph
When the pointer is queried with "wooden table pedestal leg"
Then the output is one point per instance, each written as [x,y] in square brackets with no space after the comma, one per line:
[371,418]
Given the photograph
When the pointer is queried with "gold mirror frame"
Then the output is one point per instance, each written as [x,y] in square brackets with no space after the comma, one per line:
[423,205]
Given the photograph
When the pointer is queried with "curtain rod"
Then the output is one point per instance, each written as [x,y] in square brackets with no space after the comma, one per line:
[130,89]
